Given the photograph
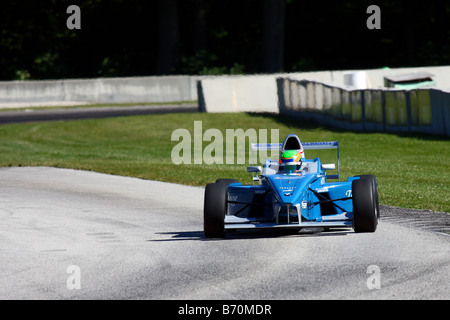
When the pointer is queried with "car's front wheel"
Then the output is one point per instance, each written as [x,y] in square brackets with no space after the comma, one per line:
[365,204]
[214,210]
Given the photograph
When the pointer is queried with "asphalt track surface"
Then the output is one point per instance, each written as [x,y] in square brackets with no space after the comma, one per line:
[33,115]
[127,238]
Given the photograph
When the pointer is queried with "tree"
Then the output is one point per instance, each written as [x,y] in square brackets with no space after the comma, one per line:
[200,25]
[273,35]
[168,36]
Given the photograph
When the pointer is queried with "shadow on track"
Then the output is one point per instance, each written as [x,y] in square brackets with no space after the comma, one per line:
[251,234]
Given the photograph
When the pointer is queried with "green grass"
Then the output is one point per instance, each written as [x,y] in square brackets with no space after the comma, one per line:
[412,170]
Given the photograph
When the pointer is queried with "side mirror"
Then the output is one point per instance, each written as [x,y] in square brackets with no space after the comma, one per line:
[329,166]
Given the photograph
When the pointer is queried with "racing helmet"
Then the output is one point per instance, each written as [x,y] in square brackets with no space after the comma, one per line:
[291,161]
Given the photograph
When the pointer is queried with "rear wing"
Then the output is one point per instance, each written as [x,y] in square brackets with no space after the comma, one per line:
[306,146]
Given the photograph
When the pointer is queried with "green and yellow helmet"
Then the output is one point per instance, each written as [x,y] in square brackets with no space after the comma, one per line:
[291,160]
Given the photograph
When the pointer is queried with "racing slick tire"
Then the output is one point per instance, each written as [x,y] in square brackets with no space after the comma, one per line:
[365,204]
[374,181]
[226,181]
[214,210]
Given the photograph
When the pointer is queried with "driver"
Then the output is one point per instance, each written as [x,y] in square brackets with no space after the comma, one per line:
[291,161]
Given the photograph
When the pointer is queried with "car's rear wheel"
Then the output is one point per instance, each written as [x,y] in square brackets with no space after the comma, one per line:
[214,210]
[365,204]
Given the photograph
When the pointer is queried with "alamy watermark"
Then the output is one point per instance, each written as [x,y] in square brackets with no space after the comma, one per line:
[220,150]
[374,280]
[74,280]
[74,20]
[374,20]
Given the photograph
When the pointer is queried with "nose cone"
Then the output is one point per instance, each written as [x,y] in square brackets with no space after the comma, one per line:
[289,188]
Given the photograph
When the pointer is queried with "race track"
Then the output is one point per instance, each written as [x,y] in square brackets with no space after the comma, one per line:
[127,238]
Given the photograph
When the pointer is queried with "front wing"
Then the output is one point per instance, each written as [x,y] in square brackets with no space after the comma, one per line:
[233,223]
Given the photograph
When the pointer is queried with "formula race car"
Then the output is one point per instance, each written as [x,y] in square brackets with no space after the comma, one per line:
[292,192]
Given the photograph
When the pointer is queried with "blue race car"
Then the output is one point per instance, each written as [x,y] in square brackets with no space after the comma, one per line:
[292,192]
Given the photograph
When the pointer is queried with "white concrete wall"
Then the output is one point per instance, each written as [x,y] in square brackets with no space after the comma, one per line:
[248,93]
[101,90]
[258,93]
[235,94]
[221,93]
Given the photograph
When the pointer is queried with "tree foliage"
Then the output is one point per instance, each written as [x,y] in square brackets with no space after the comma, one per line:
[149,37]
